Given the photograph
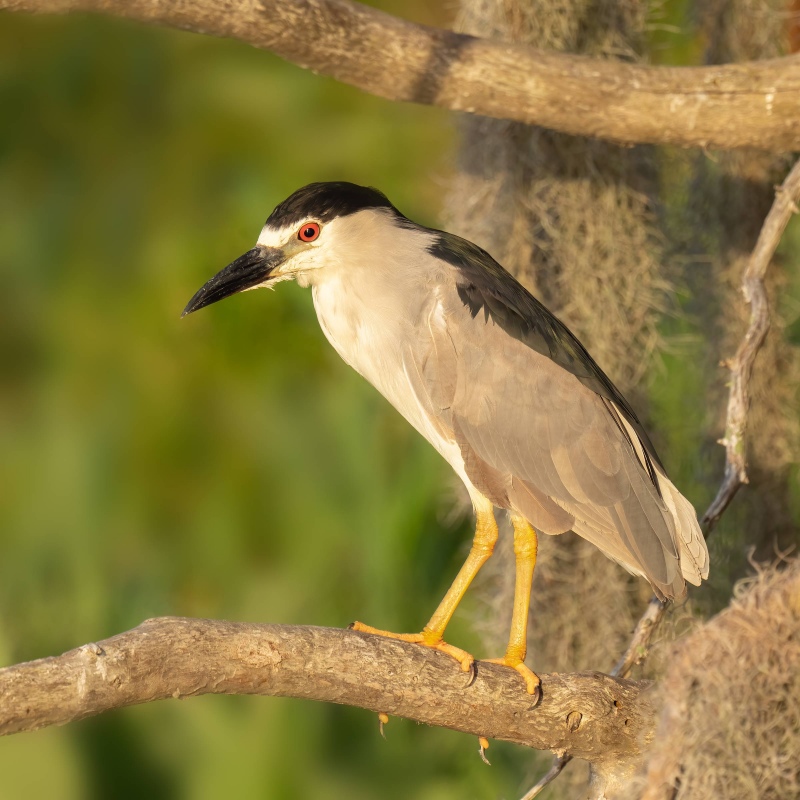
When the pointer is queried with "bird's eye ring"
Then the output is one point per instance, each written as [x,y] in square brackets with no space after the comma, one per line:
[308,232]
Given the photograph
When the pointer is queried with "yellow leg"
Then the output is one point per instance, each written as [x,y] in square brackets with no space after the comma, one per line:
[431,635]
[526,545]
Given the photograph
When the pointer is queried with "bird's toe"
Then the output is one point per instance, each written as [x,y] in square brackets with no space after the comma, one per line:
[533,683]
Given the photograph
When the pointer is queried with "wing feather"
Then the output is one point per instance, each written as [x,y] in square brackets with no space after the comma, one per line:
[538,438]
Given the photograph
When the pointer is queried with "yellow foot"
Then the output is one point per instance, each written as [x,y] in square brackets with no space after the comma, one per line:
[425,638]
[532,681]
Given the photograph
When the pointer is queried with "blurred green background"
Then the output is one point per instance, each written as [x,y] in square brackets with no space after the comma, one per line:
[227,465]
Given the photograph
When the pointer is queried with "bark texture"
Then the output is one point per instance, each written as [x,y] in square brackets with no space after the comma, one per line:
[731,106]
[589,715]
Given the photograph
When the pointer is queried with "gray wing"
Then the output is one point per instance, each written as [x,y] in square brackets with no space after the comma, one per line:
[536,439]
[488,290]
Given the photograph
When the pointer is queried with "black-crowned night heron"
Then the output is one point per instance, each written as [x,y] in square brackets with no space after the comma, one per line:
[500,387]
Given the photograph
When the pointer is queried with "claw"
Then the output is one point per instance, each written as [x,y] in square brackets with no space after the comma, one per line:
[483,743]
[466,661]
[537,696]
[383,719]
[533,683]
[473,674]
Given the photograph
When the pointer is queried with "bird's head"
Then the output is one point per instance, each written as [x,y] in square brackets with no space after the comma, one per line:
[315,227]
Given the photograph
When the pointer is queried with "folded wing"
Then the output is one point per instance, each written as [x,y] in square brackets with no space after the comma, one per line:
[552,438]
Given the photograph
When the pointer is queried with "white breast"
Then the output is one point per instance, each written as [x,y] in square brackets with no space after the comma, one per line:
[375,339]
[368,337]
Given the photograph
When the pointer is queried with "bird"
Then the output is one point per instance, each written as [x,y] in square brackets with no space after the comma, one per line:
[492,379]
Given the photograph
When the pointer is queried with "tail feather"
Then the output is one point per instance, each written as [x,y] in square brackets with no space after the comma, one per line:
[692,548]
[691,544]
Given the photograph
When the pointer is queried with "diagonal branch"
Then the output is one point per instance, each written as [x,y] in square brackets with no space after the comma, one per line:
[589,715]
[754,104]
[787,198]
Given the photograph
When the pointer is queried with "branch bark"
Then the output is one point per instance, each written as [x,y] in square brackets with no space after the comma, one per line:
[589,715]
[754,104]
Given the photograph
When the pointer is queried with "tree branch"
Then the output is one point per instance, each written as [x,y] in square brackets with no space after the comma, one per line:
[588,715]
[754,104]
[787,198]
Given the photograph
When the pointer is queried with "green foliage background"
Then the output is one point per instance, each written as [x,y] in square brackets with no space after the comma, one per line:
[227,465]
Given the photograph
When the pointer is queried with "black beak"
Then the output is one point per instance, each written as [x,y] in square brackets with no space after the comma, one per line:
[248,271]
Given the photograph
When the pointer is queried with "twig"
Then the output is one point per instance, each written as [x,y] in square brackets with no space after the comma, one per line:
[755,104]
[640,641]
[787,197]
[784,206]
[741,367]
[635,653]
[559,762]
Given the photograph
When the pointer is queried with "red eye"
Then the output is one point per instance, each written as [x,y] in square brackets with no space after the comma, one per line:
[308,232]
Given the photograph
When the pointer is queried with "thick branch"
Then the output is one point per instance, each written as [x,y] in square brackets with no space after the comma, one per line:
[589,715]
[737,105]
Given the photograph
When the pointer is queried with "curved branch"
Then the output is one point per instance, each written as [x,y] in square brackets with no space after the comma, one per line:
[787,197]
[753,104]
[589,715]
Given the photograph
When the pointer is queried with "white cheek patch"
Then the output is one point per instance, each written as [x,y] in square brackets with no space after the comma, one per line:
[270,237]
